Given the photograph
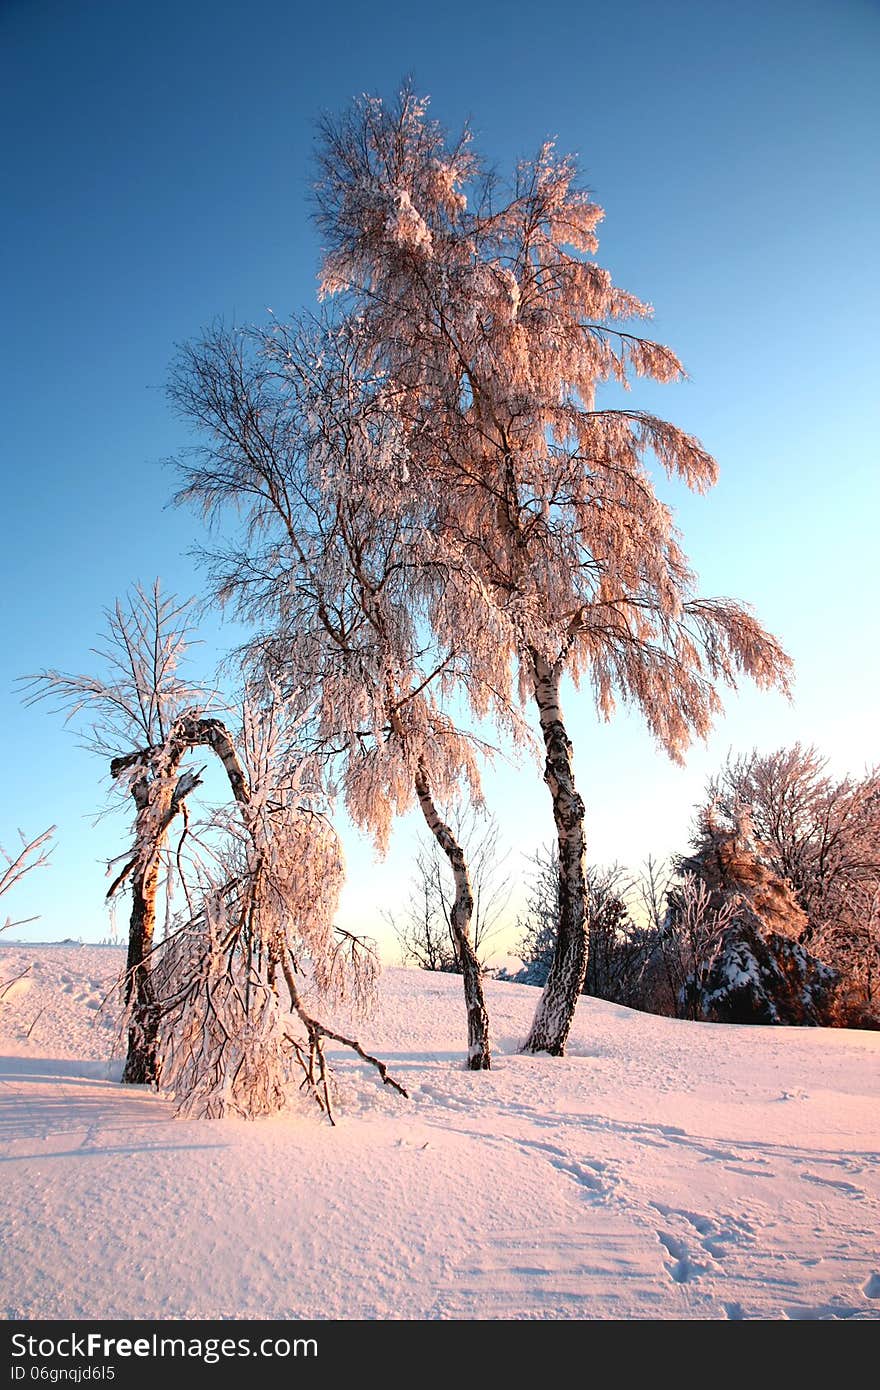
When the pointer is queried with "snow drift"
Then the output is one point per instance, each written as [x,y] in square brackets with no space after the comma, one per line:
[663,1169]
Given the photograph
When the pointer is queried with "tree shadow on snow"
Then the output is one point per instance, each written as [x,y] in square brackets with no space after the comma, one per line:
[51,1068]
[42,1098]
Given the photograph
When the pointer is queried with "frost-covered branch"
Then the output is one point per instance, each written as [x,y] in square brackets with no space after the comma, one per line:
[33,854]
[140,690]
[493,328]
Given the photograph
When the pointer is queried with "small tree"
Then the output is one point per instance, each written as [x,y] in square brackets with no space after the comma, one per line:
[204,1012]
[539,925]
[822,835]
[853,948]
[421,928]
[34,854]
[618,947]
[302,439]
[738,928]
[261,920]
[688,942]
[137,703]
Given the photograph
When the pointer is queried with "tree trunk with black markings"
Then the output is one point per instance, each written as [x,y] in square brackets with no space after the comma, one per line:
[556,1008]
[479,1056]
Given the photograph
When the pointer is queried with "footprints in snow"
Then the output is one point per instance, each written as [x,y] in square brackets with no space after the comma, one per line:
[592,1174]
[713,1238]
[716,1237]
[851,1189]
[91,993]
[595,1179]
[848,1187]
[705,1255]
[684,1269]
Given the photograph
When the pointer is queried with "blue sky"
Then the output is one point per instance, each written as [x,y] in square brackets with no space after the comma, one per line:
[156,173]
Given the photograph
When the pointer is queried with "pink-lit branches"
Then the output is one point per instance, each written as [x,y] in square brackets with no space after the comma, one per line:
[493,329]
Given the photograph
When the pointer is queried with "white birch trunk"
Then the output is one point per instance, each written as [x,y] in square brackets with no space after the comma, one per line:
[555,1011]
[479,1058]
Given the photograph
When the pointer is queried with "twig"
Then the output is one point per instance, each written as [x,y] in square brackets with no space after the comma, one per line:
[317,1030]
[34,1024]
[6,986]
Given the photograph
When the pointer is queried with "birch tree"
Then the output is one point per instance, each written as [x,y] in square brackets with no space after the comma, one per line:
[330,568]
[493,328]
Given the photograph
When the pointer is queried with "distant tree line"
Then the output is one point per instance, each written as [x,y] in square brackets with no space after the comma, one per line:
[771,916]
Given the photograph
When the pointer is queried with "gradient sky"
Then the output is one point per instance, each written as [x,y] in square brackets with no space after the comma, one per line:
[156,173]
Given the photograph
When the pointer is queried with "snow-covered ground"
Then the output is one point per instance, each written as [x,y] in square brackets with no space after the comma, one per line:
[661,1170]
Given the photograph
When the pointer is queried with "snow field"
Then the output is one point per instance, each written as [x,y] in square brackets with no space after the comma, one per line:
[663,1169]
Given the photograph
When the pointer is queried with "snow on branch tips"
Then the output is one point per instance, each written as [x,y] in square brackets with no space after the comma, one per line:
[34,854]
[481,303]
[264,916]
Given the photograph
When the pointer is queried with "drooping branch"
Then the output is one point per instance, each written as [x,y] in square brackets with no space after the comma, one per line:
[191,731]
[493,326]
[316,1031]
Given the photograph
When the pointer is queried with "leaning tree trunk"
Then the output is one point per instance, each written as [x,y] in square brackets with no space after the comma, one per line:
[555,1011]
[479,1058]
[158,796]
[141,1063]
